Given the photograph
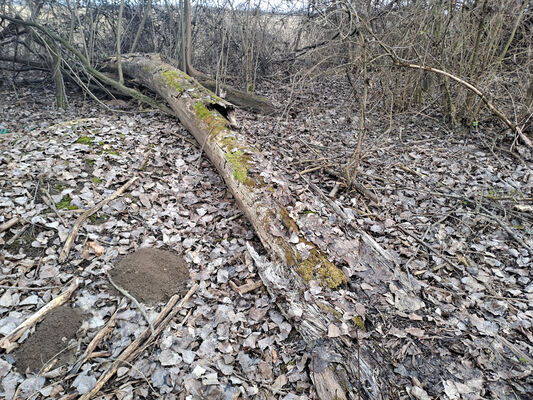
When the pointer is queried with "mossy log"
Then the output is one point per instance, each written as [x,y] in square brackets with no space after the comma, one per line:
[247,101]
[207,117]
[339,369]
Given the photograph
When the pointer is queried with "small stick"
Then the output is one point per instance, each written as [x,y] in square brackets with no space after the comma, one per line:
[17,235]
[36,288]
[6,225]
[305,171]
[335,189]
[7,343]
[247,287]
[365,192]
[166,314]
[70,240]
[51,204]
[134,300]
[144,162]
[513,235]
[431,249]
[108,327]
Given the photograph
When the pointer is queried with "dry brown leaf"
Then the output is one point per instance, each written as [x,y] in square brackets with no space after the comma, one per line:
[97,248]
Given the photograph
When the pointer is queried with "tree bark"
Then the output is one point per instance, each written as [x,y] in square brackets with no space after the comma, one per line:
[246,101]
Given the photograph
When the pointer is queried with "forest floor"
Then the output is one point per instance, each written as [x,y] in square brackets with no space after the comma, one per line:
[454,210]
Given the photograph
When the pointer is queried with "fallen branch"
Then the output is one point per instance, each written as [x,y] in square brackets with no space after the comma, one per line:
[81,219]
[506,228]
[246,288]
[108,327]
[401,63]
[479,93]
[134,300]
[6,225]
[87,65]
[431,249]
[7,343]
[166,314]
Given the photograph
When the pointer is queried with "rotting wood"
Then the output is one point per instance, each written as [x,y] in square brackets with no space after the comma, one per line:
[81,219]
[246,288]
[246,101]
[163,318]
[206,117]
[8,342]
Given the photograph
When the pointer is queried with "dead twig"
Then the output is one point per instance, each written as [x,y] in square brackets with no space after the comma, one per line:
[7,343]
[134,300]
[6,225]
[81,219]
[359,187]
[306,171]
[167,313]
[144,162]
[28,287]
[246,288]
[506,228]
[108,327]
[50,203]
[431,249]
[17,235]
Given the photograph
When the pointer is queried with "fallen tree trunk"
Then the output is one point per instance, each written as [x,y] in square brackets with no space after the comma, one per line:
[247,101]
[341,369]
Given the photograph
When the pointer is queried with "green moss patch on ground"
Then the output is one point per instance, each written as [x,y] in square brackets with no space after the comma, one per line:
[65,204]
[87,140]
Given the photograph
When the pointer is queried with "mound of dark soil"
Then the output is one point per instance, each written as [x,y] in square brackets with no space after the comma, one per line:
[50,340]
[151,275]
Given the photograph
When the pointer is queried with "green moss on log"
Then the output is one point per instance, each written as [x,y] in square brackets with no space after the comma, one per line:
[317,266]
[329,309]
[359,323]
[240,163]
[214,120]
[172,78]
[287,221]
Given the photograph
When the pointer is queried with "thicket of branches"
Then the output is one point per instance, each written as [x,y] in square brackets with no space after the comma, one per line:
[398,55]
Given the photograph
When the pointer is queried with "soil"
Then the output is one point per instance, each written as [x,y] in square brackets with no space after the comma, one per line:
[151,275]
[51,337]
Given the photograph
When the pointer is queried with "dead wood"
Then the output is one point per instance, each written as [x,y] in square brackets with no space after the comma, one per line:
[163,318]
[496,111]
[244,100]
[8,224]
[102,333]
[206,117]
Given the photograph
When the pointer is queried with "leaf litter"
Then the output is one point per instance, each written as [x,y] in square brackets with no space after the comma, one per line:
[222,344]
[453,217]
[451,320]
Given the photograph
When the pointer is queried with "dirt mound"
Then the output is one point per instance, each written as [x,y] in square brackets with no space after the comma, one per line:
[151,275]
[50,340]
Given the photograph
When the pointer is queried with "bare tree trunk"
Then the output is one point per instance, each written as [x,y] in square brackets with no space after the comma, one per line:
[183,48]
[187,39]
[141,26]
[55,68]
[119,35]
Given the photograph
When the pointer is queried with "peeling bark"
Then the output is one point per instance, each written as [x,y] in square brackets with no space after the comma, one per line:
[341,368]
